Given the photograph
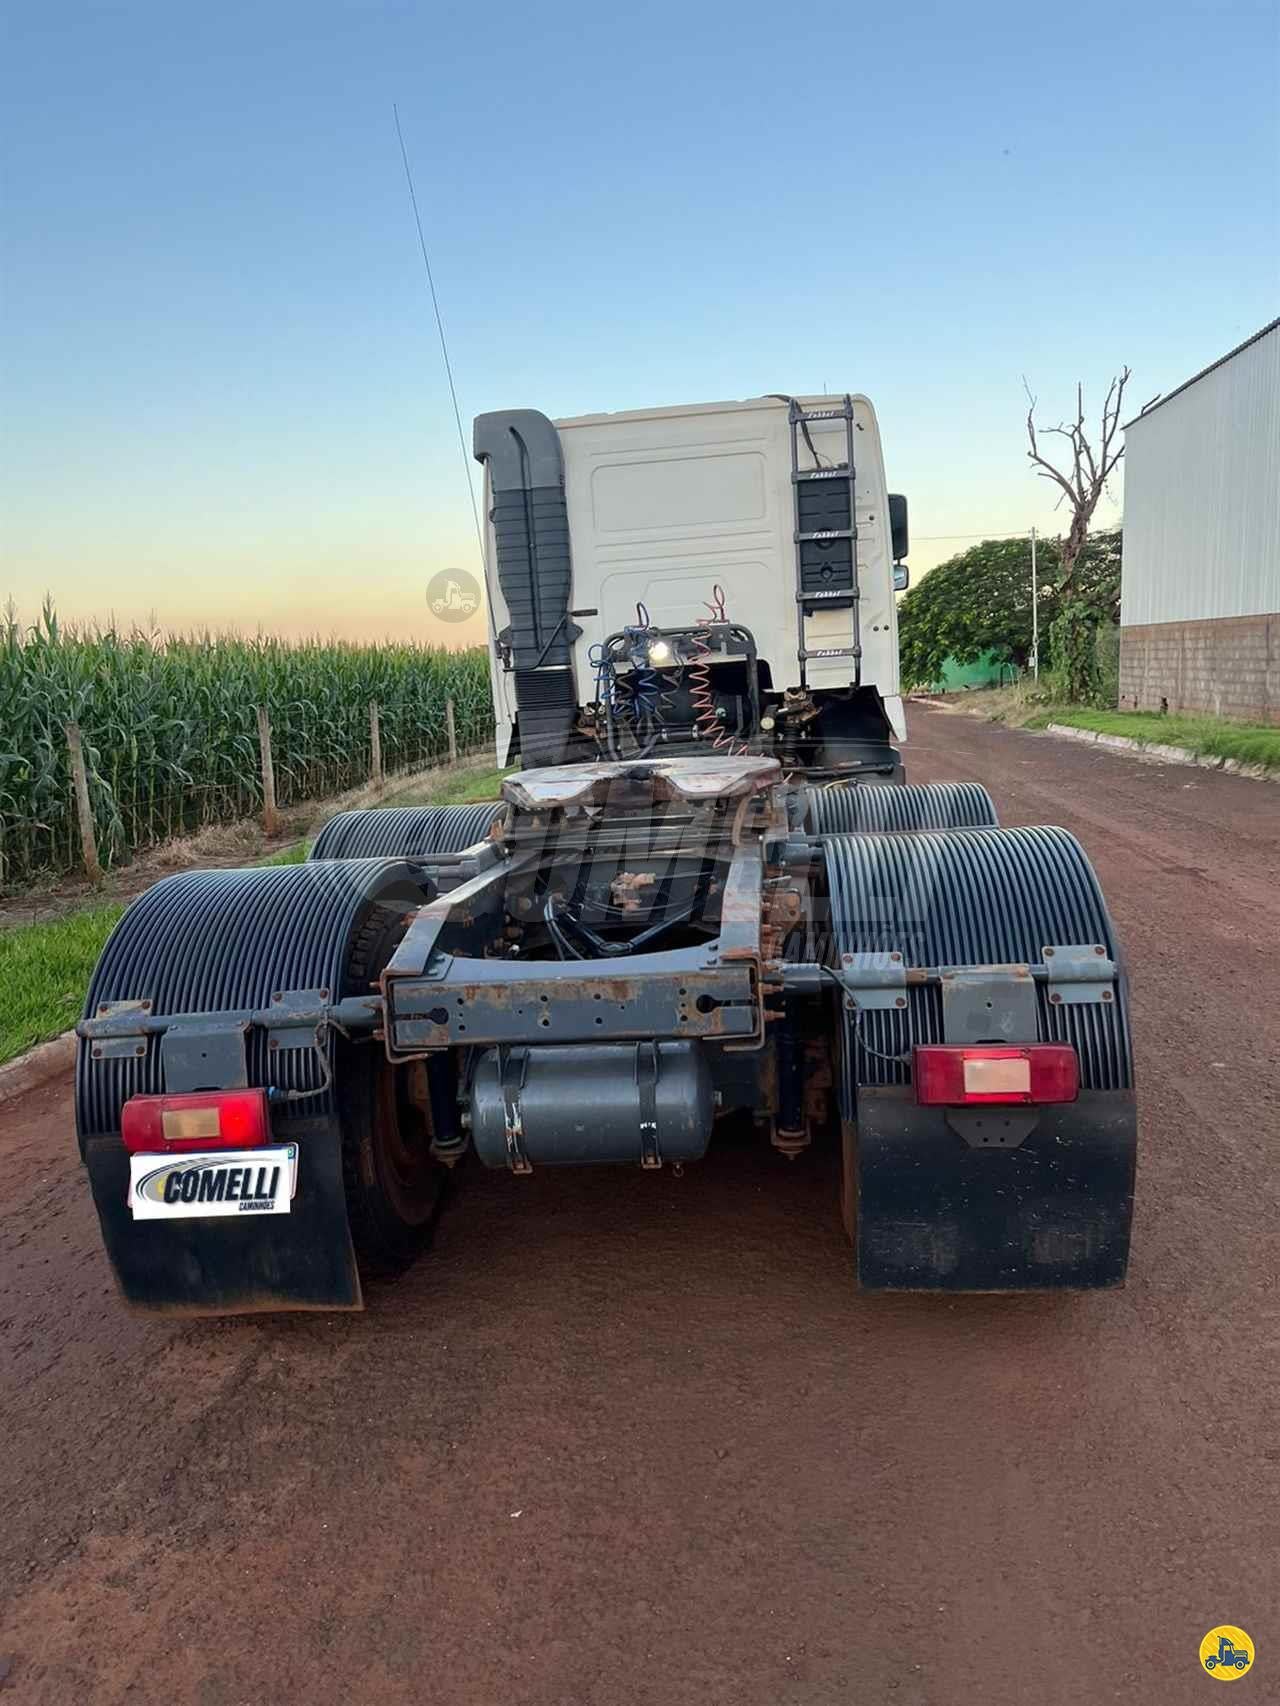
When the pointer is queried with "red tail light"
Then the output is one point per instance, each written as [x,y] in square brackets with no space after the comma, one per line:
[201,1119]
[952,1075]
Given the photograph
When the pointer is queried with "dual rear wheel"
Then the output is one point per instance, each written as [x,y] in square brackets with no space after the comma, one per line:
[395,1185]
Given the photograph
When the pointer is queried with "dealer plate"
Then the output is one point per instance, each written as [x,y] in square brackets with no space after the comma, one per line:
[200,1186]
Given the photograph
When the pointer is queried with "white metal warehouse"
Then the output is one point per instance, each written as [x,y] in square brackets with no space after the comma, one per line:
[1200,599]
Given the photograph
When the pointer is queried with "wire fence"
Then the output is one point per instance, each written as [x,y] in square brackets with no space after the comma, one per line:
[169,732]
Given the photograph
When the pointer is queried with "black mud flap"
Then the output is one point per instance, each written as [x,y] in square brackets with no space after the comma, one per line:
[225,1266]
[947,1204]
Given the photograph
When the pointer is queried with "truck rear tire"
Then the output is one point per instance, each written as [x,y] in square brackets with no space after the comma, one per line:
[404,832]
[933,1210]
[234,942]
[395,1186]
[870,807]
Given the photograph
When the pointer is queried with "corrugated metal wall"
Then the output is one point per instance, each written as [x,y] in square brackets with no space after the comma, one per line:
[1202,496]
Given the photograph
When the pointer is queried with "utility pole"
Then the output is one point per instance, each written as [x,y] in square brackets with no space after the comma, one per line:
[1035,612]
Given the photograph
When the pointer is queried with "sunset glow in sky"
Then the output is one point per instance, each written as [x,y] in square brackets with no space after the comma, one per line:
[223,401]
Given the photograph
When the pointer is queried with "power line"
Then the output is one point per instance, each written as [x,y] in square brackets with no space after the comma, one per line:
[939,538]
[444,347]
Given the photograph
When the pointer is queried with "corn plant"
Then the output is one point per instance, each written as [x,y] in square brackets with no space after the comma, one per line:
[169,723]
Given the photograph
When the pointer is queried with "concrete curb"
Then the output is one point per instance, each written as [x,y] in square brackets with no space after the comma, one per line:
[1157,753]
[38,1066]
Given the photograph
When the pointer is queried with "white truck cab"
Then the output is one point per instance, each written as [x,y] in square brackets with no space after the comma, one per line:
[626,554]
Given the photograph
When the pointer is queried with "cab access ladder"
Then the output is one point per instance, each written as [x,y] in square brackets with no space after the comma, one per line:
[826,534]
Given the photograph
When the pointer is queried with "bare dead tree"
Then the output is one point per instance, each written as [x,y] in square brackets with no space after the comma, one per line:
[1084,474]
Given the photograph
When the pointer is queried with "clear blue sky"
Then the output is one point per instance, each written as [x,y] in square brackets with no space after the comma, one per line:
[222,396]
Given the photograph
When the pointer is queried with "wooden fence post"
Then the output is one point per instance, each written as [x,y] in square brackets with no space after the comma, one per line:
[270,816]
[375,746]
[84,809]
[453,733]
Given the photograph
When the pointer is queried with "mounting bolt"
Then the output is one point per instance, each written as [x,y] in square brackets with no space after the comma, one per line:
[324,995]
[900,1001]
[1048,953]
[276,995]
[140,1049]
[895,955]
[1106,995]
[1056,1000]
[273,1044]
[1099,950]
[97,1054]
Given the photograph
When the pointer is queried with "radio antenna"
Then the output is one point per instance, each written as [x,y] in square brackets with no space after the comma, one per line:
[444,346]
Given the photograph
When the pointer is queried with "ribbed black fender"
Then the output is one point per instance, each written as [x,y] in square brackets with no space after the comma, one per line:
[215,941]
[404,832]
[972,897]
[861,807]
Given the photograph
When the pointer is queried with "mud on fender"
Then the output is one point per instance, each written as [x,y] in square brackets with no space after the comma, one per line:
[941,1211]
[300,1260]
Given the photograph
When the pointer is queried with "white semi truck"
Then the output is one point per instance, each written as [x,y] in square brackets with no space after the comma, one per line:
[697,902]
[620,546]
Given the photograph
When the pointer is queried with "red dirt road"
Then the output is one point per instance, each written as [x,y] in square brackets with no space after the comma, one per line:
[636,1441]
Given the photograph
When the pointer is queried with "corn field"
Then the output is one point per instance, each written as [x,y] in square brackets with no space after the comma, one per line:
[170,732]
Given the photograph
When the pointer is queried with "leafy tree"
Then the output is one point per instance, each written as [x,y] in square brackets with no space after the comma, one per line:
[980,601]
[1086,604]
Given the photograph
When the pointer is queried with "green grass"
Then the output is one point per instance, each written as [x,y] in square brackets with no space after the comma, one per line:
[295,855]
[1023,706]
[44,972]
[455,788]
[45,968]
[1207,737]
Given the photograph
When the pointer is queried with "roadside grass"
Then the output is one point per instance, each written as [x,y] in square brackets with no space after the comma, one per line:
[459,787]
[45,967]
[44,973]
[462,787]
[295,855]
[1022,707]
[1017,705]
[1207,737]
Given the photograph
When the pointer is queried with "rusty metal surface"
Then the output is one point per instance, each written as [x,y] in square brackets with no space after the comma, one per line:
[627,891]
[740,905]
[479,894]
[471,1002]
[782,912]
[695,780]
[289,1010]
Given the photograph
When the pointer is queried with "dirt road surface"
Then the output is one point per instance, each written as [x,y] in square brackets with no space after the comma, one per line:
[636,1441]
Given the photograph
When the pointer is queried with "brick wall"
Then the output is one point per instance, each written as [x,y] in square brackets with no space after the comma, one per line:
[1229,666]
